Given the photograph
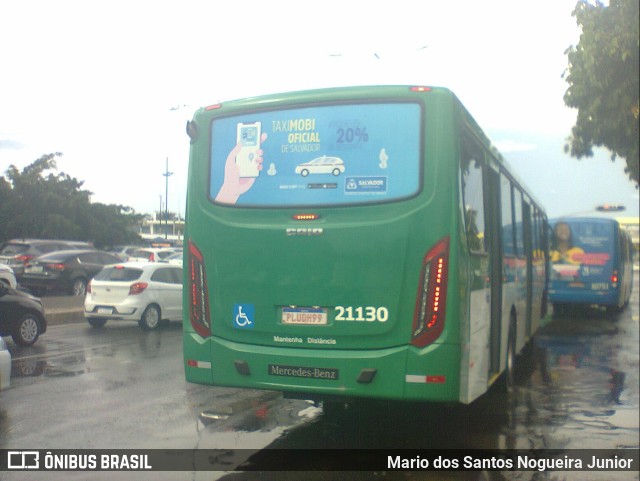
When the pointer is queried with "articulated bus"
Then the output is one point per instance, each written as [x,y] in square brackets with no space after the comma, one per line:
[360,242]
[592,263]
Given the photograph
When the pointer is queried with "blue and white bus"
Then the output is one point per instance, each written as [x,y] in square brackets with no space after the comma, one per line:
[592,263]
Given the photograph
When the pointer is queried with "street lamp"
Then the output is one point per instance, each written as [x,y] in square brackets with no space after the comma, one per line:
[166,174]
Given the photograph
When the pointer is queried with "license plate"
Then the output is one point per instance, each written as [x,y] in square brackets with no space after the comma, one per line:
[105,310]
[306,316]
[33,269]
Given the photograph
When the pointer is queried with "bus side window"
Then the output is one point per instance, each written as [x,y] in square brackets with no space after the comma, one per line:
[508,244]
[473,198]
[519,226]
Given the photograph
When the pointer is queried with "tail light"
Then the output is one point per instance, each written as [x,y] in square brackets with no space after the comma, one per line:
[614,278]
[88,288]
[137,288]
[198,295]
[58,266]
[420,88]
[24,258]
[152,257]
[429,315]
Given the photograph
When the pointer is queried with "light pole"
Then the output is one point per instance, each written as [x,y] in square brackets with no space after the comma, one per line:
[166,174]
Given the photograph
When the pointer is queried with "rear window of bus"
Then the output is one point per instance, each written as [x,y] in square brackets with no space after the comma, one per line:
[321,156]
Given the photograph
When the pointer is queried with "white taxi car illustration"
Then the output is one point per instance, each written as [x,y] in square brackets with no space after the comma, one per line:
[321,165]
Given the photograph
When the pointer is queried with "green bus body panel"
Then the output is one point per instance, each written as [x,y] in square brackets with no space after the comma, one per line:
[389,381]
[372,264]
[367,256]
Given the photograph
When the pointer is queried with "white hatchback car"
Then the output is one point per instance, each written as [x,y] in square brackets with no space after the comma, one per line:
[321,165]
[147,292]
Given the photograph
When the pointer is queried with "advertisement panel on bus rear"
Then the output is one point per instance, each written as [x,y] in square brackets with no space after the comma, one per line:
[324,155]
[581,250]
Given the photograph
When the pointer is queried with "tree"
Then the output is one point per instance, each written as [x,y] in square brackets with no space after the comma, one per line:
[603,81]
[36,202]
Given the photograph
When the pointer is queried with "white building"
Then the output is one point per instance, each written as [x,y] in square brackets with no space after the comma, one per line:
[157,227]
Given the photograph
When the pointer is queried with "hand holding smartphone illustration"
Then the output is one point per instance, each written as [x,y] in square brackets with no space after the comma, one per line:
[240,164]
[248,135]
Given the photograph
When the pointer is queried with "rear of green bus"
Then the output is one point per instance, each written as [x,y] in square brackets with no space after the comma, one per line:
[321,244]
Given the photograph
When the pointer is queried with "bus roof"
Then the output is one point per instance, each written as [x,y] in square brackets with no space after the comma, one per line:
[336,94]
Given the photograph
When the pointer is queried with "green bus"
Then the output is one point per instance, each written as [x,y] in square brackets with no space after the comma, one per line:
[360,242]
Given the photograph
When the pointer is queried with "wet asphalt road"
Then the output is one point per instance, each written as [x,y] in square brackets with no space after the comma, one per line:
[120,387]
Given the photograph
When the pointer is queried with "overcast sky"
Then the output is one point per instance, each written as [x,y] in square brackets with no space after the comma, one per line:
[111,84]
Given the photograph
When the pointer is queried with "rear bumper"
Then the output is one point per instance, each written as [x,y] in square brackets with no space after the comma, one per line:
[608,297]
[402,373]
[106,311]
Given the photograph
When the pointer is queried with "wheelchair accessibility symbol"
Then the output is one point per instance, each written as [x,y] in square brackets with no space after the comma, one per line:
[243,316]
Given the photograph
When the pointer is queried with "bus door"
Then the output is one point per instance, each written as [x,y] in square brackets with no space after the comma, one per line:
[477,188]
[526,224]
[494,248]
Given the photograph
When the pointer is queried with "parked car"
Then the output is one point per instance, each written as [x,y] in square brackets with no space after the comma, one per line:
[65,271]
[21,316]
[147,292]
[7,276]
[5,365]
[152,254]
[175,258]
[124,252]
[16,253]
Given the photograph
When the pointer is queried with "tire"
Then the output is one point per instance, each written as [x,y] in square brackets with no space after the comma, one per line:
[507,380]
[97,323]
[150,318]
[336,172]
[79,287]
[27,330]
[304,172]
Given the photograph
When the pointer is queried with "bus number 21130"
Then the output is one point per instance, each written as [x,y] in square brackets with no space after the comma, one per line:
[359,313]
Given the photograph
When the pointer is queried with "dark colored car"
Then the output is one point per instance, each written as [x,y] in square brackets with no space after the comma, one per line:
[65,271]
[21,316]
[16,253]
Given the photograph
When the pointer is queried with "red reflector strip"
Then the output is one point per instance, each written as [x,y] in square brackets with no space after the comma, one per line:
[201,364]
[213,107]
[198,297]
[415,378]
